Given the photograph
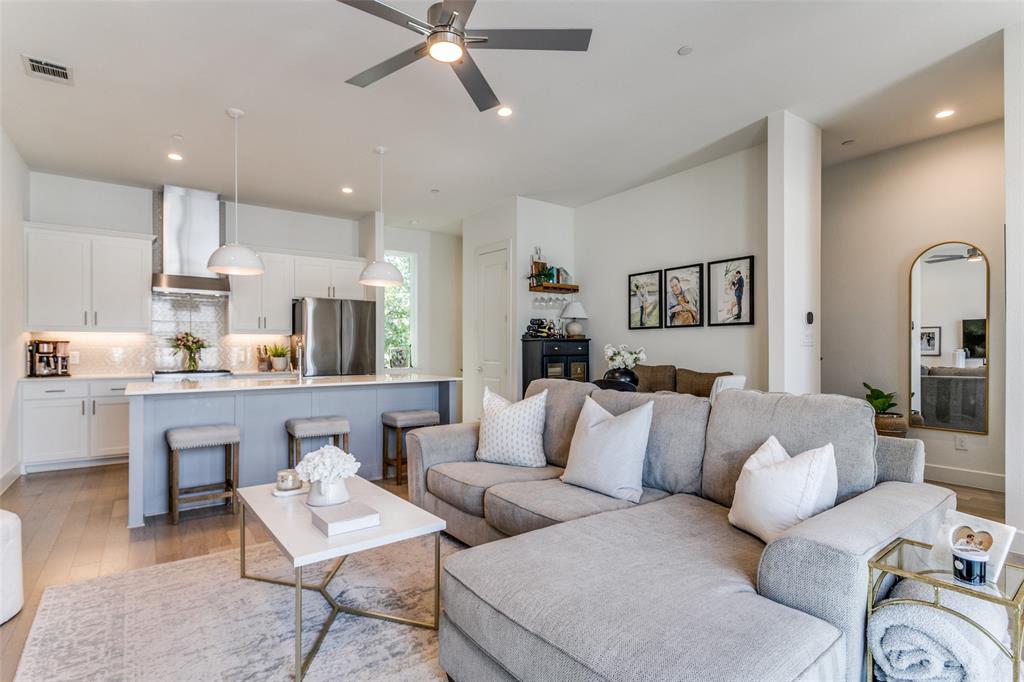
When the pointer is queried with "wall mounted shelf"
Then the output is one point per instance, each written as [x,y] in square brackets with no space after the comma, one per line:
[553,288]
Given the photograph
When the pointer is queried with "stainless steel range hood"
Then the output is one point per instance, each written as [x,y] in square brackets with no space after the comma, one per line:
[191,231]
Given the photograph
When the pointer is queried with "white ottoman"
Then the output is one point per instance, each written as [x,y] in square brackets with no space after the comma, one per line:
[12,596]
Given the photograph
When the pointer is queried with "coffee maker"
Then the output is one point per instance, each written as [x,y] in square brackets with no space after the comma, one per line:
[47,359]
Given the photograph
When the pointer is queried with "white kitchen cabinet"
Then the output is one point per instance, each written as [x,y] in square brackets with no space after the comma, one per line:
[54,429]
[262,304]
[108,427]
[85,281]
[327,278]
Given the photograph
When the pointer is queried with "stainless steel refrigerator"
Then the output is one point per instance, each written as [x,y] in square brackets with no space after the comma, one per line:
[338,336]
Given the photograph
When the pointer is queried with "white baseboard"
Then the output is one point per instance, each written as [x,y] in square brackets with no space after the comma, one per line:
[9,477]
[971,478]
[75,464]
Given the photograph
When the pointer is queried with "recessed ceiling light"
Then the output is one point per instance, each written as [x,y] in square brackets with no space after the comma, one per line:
[684,50]
[505,112]
[175,156]
[945,113]
[346,190]
[847,143]
[414,222]
[435,191]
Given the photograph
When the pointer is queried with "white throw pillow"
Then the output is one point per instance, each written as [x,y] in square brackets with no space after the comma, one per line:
[607,452]
[775,491]
[512,433]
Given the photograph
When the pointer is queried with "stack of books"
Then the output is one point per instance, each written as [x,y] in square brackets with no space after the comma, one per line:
[345,518]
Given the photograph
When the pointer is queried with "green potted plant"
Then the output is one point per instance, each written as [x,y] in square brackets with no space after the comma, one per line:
[887,422]
[279,356]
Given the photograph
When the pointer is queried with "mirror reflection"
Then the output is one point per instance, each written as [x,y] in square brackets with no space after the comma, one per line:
[949,333]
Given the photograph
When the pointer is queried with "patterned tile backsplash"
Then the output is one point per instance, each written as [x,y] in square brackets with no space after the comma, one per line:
[206,317]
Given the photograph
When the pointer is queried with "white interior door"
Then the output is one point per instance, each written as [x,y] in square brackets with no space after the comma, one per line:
[57,281]
[492,346]
[122,271]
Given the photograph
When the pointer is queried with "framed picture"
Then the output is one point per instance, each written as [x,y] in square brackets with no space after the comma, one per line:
[684,296]
[645,300]
[731,292]
[931,340]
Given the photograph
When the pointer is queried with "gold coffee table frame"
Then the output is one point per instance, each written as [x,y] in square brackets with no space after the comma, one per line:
[891,560]
[302,663]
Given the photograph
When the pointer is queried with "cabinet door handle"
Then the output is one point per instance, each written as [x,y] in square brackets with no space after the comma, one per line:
[85,318]
[95,318]
[55,390]
[94,407]
[83,407]
[117,389]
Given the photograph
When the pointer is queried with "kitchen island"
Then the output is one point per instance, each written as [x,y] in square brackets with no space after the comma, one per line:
[259,406]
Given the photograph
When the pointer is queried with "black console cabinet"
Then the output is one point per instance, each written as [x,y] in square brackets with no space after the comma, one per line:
[556,359]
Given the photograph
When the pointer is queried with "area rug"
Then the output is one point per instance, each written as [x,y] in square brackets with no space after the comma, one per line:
[197,620]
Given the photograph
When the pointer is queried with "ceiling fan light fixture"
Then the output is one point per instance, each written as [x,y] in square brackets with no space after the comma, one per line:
[974,256]
[445,46]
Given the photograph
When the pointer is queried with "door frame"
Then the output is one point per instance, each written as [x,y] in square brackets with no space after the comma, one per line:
[510,365]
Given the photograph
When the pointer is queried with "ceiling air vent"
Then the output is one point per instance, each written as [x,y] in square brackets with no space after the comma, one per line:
[49,71]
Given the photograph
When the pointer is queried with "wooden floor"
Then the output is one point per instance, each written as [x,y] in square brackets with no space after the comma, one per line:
[74,528]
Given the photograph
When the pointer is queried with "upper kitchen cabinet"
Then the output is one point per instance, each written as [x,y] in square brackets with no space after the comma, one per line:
[327,278]
[86,280]
[262,304]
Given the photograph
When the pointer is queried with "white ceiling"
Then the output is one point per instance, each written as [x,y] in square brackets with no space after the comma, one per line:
[585,125]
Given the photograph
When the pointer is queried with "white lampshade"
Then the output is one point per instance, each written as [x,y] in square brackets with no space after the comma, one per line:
[380,273]
[574,310]
[235,259]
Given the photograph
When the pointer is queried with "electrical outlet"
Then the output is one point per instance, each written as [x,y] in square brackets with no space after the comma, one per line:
[73,357]
[960,442]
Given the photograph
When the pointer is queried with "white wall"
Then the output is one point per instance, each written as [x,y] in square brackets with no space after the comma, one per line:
[794,253]
[14,202]
[711,212]
[878,214]
[73,201]
[275,229]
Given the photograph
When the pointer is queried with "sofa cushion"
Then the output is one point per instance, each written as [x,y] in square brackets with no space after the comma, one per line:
[697,383]
[515,508]
[656,378]
[742,420]
[608,451]
[462,484]
[512,433]
[675,446]
[564,402]
[660,591]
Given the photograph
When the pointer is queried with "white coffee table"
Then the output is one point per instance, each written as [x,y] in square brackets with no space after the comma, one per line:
[288,521]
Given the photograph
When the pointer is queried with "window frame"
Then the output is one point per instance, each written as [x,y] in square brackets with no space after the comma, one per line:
[413,284]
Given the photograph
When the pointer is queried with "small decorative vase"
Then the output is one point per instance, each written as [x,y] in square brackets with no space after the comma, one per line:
[326,493]
[192,361]
[622,374]
[279,364]
[891,424]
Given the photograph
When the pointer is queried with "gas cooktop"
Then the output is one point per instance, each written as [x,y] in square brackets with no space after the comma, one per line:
[183,375]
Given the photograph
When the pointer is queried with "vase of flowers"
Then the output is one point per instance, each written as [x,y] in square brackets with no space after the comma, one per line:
[191,346]
[621,361]
[326,470]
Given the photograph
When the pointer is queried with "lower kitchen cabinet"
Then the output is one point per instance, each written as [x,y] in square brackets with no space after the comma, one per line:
[108,427]
[54,429]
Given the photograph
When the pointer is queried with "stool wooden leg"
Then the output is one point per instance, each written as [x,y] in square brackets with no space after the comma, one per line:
[234,478]
[335,441]
[172,475]
[229,481]
[384,452]
[291,452]
[398,455]
[296,450]
[344,439]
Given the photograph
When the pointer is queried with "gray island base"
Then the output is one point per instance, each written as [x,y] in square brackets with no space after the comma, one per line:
[260,407]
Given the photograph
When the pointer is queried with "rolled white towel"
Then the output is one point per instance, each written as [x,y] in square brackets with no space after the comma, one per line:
[914,642]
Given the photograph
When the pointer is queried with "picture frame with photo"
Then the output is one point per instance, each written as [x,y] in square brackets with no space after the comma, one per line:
[731,292]
[971,533]
[683,289]
[644,295]
[931,341]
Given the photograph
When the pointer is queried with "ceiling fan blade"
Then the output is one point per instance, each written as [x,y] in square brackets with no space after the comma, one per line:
[943,259]
[475,83]
[572,39]
[389,66]
[463,7]
[382,11]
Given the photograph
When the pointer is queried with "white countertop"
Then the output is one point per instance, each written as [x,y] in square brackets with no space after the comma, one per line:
[263,384]
[143,376]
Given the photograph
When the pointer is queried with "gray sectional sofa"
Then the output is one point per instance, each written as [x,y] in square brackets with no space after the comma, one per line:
[568,584]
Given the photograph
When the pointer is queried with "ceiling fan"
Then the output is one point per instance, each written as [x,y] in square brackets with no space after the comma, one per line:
[973,255]
[447,41]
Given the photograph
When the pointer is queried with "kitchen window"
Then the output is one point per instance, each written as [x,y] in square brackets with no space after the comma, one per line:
[400,314]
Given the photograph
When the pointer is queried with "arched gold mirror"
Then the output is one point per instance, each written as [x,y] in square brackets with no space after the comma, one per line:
[949,312]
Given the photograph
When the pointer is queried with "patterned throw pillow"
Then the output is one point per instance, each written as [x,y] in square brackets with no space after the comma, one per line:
[512,433]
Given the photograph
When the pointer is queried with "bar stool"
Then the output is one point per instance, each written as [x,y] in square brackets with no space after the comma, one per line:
[313,427]
[190,437]
[403,420]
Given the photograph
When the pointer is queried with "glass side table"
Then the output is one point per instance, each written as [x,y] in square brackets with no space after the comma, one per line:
[908,559]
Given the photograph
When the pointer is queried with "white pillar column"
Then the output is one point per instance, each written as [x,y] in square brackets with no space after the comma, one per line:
[371,247]
[794,254]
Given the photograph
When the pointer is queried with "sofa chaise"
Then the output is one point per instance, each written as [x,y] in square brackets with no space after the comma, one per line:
[568,584]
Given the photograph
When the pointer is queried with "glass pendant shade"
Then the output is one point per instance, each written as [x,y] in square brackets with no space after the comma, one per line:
[380,273]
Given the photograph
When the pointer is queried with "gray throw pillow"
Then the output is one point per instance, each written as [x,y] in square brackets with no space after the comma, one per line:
[607,452]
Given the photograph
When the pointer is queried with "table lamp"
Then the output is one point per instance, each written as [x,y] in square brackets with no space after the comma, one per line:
[574,311]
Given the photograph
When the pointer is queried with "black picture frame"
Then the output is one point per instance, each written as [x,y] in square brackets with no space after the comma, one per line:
[666,290]
[644,280]
[745,305]
[936,332]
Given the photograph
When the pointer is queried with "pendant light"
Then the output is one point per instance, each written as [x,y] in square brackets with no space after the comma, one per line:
[233,258]
[380,273]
